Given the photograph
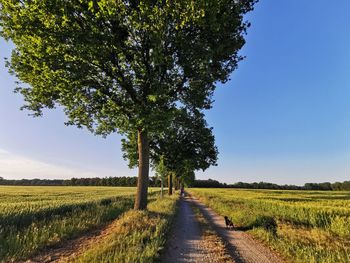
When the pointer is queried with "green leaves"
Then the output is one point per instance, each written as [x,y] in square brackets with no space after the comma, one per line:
[122,66]
[185,146]
[136,58]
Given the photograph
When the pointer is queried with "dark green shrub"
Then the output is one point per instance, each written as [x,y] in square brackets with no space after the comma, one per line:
[266,222]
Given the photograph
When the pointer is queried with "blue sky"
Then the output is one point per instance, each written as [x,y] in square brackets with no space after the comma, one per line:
[284,116]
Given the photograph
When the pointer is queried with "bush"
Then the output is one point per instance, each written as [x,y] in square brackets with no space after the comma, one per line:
[266,222]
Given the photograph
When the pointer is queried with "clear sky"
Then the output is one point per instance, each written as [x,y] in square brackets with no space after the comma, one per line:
[284,116]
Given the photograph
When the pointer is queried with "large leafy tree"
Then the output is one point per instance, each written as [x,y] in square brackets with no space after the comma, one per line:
[123,65]
[185,146]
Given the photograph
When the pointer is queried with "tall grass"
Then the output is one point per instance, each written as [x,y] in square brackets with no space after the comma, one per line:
[313,226]
[138,236]
[38,217]
[22,205]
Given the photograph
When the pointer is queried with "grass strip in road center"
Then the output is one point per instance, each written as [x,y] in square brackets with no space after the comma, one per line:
[212,243]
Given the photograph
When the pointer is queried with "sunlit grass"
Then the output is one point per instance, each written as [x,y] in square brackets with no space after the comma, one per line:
[138,236]
[32,218]
[313,226]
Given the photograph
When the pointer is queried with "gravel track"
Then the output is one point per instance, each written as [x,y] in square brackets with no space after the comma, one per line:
[240,245]
[186,244]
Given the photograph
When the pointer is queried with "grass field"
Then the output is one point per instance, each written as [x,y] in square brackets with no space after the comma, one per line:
[137,237]
[313,226]
[34,218]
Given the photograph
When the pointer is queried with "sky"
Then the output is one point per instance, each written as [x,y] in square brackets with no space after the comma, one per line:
[284,116]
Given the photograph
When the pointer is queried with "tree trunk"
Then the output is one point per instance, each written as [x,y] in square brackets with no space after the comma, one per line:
[176,183]
[170,184]
[161,187]
[143,170]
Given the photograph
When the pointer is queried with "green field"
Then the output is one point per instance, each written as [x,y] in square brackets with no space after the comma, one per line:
[137,237]
[33,218]
[313,226]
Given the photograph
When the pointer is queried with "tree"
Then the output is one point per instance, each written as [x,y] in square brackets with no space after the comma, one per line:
[188,178]
[123,65]
[185,146]
[161,173]
[188,145]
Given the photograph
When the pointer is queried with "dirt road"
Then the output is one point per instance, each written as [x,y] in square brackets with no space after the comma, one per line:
[185,240]
[185,243]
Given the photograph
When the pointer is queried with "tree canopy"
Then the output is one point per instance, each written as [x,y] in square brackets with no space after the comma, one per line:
[123,65]
[185,146]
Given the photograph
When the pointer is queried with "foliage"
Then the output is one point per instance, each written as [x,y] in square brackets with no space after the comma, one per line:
[123,66]
[266,222]
[189,180]
[186,145]
[210,183]
[96,181]
[312,226]
[160,169]
[326,186]
[341,186]
[161,174]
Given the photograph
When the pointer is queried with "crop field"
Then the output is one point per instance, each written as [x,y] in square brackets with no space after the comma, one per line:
[34,218]
[312,226]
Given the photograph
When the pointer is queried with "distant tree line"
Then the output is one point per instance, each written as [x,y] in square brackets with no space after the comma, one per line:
[326,186]
[107,181]
[155,182]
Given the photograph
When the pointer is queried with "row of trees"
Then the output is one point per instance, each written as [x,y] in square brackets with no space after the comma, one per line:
[107,181]
[143,68]
[327,186]
[157,181]
[154,181]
